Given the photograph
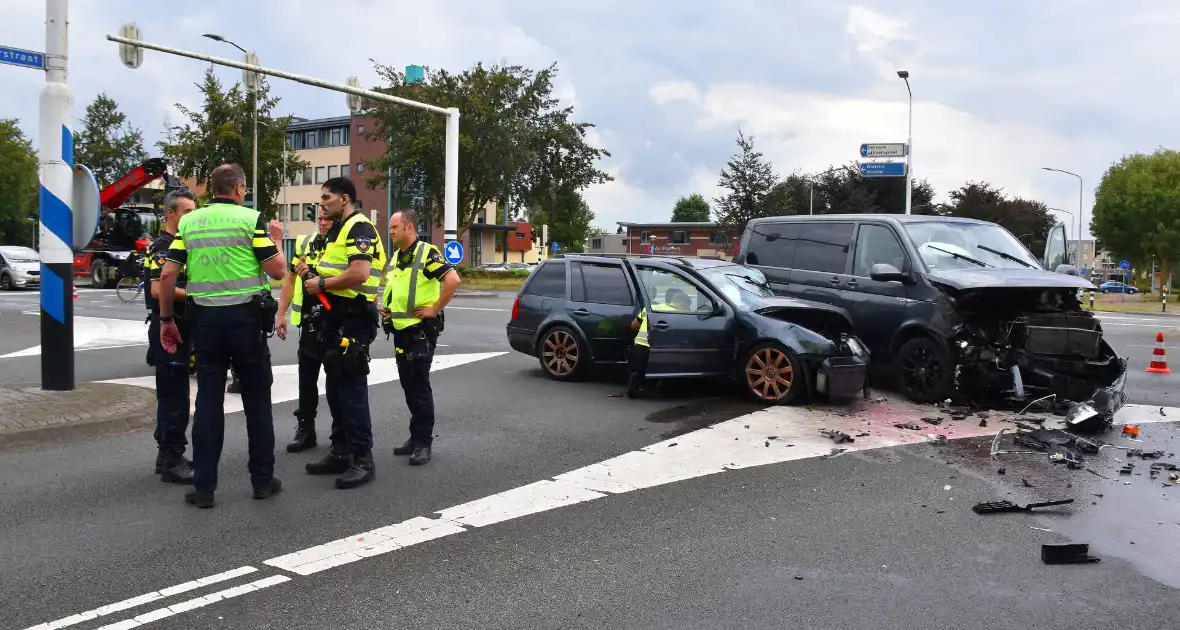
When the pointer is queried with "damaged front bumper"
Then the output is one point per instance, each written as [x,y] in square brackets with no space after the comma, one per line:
[1098,413]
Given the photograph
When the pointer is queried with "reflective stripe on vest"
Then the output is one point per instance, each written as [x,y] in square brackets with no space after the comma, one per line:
[333,261]
[297,300]
[407,289]
[221,267]
[641,336]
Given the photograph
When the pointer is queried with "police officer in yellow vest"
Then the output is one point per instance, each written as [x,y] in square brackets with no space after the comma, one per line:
[349,272]
[674,300]
[419,285]
[227,251]
[306,315]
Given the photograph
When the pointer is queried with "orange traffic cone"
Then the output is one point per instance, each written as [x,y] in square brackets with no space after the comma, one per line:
[1159,360]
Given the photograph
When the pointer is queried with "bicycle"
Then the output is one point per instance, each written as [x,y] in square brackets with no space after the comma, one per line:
[131,287]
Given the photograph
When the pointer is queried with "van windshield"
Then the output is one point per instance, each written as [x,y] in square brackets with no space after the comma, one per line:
[946,245]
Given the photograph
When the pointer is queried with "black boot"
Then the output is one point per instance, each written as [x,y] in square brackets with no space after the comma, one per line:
[203,500]
[235,387]
[304,435]
[361,472]
[174,468]
[268,489]
[332,463]
[406,448]
[421,456]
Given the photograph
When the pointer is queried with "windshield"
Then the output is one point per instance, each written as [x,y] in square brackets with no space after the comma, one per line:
[946,245]
[743,286]
[150,223]
[20,254]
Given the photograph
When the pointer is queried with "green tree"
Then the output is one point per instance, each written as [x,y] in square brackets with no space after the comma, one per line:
[1137,208]
[693,208]
[749,178]
[515,146]
[19,185]
[1027,220]
[788,196]
[844,190]
[107,143]
[222,132]
[569,217]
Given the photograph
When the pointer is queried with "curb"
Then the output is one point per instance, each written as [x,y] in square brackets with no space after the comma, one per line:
[142,414]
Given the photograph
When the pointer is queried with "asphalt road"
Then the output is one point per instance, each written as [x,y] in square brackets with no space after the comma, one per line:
[876,538]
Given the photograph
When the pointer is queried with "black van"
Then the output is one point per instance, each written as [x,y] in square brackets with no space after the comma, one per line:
[950,304]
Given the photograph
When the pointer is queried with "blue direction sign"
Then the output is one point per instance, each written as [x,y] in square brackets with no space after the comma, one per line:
[556,247]
[21,57]
[1125,265]
[453,252]
[882,169]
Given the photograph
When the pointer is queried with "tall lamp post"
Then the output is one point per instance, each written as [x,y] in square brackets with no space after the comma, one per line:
[905,76]
[251,79]
[1078,218]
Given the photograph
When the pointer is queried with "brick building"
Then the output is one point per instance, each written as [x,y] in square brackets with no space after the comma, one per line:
[696,238]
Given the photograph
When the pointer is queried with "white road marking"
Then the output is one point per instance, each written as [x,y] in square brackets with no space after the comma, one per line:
[286,378]
[771,436]
[146,598]
[185,606]
[98,333]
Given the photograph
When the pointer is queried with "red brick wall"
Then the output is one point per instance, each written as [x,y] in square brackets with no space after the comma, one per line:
[360,149]
[698,239]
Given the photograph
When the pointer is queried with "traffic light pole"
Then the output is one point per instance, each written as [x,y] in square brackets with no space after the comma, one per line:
[451,177]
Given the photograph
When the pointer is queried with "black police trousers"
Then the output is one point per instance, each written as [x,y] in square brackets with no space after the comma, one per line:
[225,336]
[637,367]
[415,353]
[311,359]
[348,389]
[172,387]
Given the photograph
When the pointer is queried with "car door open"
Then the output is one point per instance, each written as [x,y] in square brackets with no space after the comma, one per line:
[689,328]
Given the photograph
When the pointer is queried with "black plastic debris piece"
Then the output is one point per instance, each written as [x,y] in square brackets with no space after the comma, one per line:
[909,425]
[865,434]
[1052,437]
[934,421]
[880,400]
[983,423]
[1164,466]
[1027,442]
[1142,454]
[1070,553]
[1086,445]
[992,507]
[1127,469]
[1002,471]
[1067,456]
[839,437]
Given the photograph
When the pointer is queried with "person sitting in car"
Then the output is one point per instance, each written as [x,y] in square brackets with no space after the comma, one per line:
[674,300]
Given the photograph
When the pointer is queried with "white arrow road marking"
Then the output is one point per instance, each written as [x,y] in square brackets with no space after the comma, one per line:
[770,436]
[286,378]
[98,333]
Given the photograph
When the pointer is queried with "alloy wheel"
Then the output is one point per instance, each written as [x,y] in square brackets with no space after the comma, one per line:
[560,352]
[770,374]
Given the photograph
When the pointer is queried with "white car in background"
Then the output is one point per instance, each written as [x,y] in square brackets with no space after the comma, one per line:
[20,267]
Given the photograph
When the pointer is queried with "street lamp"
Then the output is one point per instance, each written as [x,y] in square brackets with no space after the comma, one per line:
[251,80]
[811,188]
[905,76]
[1078,218]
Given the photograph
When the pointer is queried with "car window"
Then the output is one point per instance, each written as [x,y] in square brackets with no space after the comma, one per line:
[670,292]
[875,245]
[549,281]
[601,284]
[772,245]
[823,246]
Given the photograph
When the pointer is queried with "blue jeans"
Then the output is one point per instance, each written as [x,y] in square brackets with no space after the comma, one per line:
[225,336]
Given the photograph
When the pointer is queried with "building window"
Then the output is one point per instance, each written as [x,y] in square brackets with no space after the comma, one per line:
[360,128]
[678,237]
[344,170]
[337,137]
[595,243]
[719,238]
[360,167]
[307,176]
[645,237]
[319,174]
[294,212]
[331,172]
[309,140]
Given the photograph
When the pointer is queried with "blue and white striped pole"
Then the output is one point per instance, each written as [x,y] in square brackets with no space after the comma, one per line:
[57,220]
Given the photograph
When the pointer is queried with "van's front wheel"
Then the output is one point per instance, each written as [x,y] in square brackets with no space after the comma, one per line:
[925,372]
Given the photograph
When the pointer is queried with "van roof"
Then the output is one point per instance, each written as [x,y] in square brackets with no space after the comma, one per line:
[899,218]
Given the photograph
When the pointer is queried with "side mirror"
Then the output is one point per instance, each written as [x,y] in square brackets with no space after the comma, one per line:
[882,272]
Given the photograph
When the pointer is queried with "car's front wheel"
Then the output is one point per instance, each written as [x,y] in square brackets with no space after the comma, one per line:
[561,354]
[924,370]
[772,374]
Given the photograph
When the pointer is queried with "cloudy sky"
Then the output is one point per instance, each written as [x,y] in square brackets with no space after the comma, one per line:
[1001,88]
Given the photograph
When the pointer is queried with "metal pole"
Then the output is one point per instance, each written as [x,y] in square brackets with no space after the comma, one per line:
[451,180]
[909,188]
[254,170]
[56,217]
[389,193]
[811,198]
